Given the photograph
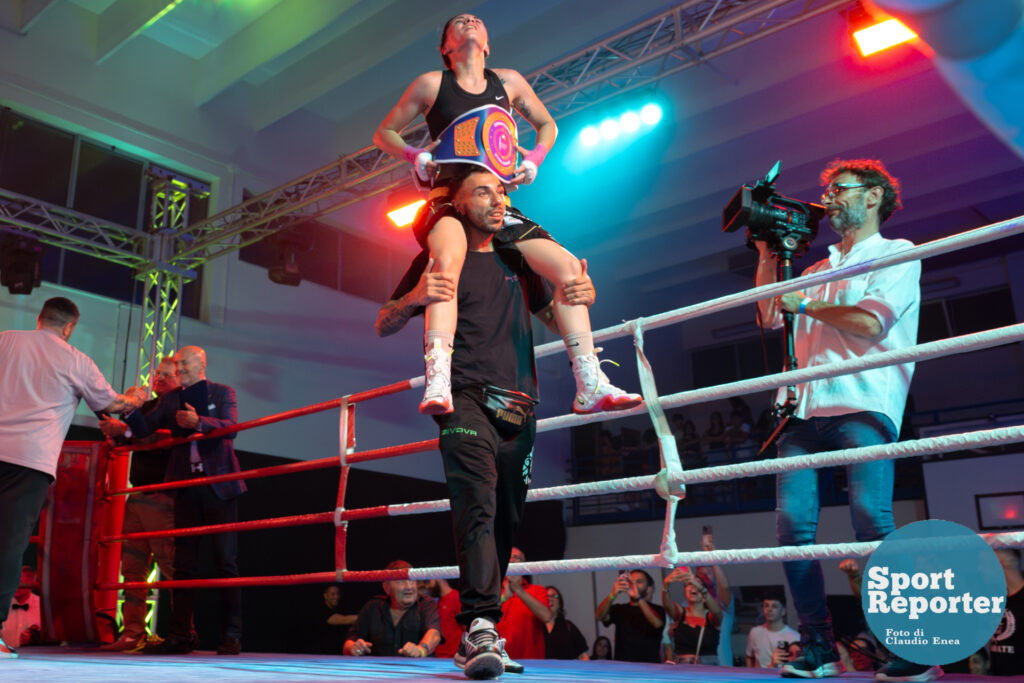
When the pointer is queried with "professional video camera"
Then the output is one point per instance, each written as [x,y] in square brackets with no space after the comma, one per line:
[787,225]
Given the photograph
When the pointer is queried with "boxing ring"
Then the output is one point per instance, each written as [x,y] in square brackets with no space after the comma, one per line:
[99,584]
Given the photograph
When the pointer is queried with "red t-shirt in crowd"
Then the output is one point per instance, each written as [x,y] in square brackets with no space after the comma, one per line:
[448,605]
[522,630]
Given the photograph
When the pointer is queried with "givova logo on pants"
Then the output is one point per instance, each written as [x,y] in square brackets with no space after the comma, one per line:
[447,431]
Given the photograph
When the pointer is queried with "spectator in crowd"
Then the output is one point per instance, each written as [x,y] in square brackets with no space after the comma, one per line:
[677,422]
[399,623]
[602,649]
[144,512]
[43,378]
[696,625]
[562,640]
[714,578]
[24,623]
[1006,649]
[738,431]
[768,644]
[688,445]
[638,623]
[714,435]
[524,612]
[738,405]
[328,636]
[448,605]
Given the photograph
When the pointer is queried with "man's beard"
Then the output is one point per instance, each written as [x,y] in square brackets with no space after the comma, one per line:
[850,218]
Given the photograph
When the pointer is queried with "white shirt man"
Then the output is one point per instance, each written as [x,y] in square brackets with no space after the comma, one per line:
[768,644]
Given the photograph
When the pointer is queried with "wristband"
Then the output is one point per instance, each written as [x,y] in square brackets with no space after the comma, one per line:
[537,154]
[803,304]
[424,650]
[410,153]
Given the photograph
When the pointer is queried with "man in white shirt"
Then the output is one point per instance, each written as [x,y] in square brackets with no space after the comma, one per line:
[863,315]
[768,644]
[43,377]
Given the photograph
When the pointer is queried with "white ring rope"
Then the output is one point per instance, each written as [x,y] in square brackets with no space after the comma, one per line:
[963,240]
[820,551]
[910,354]
[850,456]
[590,488]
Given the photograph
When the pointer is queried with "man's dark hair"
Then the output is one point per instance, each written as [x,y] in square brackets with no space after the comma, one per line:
[58,312]
[650,581]
[776,596]
[871,172]
[461,174]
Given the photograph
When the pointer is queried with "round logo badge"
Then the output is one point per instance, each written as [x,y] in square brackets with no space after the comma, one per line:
[933,592]
[499,137]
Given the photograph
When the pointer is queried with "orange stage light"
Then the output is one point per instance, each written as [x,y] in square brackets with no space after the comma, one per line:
[882,36]
[403,215]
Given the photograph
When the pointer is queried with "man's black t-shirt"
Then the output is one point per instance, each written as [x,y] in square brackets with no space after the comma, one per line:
[1006,649]
[635,639]
[375,625]
[493,338]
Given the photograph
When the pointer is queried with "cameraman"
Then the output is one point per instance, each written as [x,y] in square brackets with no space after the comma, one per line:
[840,320]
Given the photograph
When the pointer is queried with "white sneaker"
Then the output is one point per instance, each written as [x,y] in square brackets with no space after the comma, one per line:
[481,652]
[594,391]
[437,394]
[5,651]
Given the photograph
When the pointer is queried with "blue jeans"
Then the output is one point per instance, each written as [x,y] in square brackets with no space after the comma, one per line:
[870,489]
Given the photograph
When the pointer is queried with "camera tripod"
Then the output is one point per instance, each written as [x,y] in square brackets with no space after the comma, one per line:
[784,251]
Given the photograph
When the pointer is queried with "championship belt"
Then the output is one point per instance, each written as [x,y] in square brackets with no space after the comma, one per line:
[485,136]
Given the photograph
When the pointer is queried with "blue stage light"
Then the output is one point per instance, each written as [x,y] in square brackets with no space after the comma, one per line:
[590,136]
[650,114]
[609,129]
[629,122]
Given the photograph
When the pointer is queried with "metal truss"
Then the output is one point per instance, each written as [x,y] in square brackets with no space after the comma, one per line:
[161,315]
[688,34]
[67,229]
[161,300]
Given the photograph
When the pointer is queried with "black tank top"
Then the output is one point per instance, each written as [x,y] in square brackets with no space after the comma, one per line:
[452,101]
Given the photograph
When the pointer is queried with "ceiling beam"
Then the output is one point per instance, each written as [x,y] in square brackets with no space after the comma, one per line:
[279,30]
[379,37]
[125,19]
[17,15]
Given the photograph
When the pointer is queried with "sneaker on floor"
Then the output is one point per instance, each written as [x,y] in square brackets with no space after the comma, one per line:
[7,652]
[902,670]
[817,660]
[437,392]
[125,644]
[511,665]
[594,391]
[481,652]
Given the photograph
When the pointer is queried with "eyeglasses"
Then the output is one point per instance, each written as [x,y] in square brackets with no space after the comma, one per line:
[838,188]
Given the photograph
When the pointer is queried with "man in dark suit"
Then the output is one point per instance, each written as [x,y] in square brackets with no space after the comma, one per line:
[200,407]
